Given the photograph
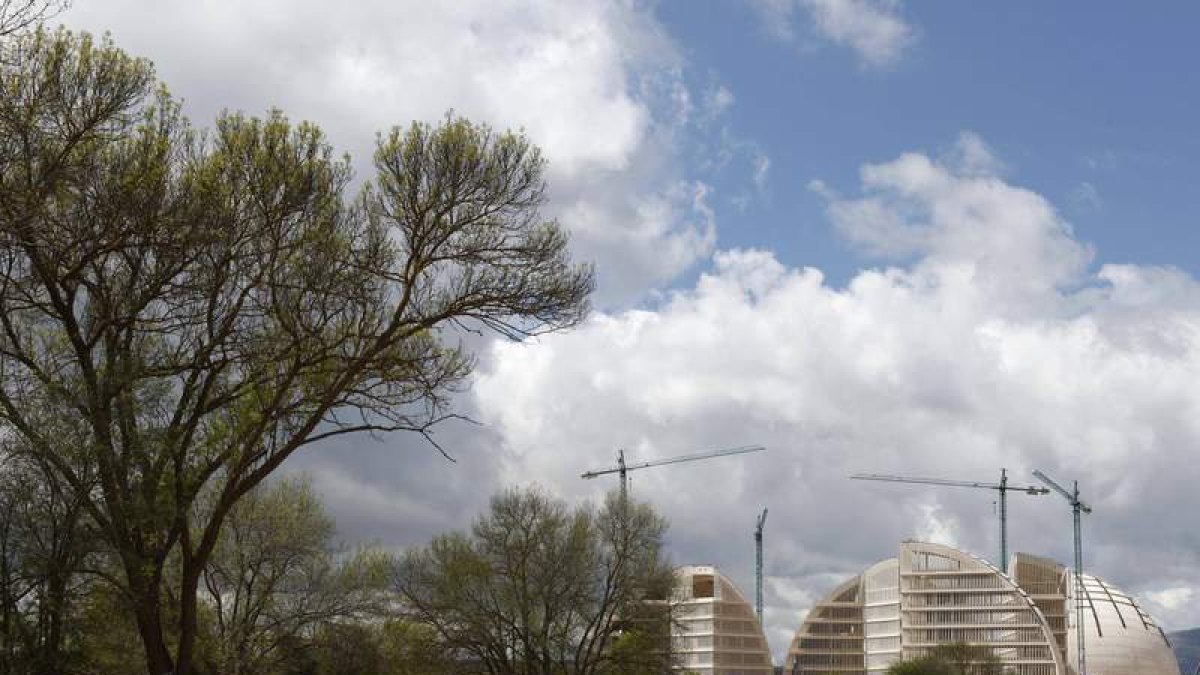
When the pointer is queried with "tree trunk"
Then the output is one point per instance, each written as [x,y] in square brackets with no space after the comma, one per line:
[6,650]
[57,608]
[189,586]
[147,591]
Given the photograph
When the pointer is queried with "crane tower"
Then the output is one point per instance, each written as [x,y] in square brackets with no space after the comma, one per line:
[1078,508]
[758,565]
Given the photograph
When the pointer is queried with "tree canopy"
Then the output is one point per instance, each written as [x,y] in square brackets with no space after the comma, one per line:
[181,309]
[537,587]
[958,658]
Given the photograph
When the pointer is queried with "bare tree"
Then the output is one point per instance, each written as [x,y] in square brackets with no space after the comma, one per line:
[202,305]
[539,588]
[19,15]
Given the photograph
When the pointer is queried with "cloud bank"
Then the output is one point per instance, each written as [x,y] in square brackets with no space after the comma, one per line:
[598,86]
[983,339]
[980,336]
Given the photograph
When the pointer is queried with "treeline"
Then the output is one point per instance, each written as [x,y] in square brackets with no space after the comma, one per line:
[278,595]
[533,587]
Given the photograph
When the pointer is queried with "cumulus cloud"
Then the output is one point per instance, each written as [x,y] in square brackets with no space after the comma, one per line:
[717,100]
[874,29]
[959,220]
[599,86]
[762,172]
[984,339]
[1086,197]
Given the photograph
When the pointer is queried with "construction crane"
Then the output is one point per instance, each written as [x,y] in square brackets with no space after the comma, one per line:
[758,530]
[1078,508]
[623,469]
[1002,487]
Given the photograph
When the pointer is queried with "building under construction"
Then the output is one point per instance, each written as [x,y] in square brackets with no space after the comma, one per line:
[714,629]
[931,595]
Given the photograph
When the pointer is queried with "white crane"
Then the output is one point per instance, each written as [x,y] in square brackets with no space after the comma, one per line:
[1078,508]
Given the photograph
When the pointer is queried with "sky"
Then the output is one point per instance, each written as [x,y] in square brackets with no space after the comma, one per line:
[930,239]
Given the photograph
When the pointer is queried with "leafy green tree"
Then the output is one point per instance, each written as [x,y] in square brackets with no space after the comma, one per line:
[411,648]
[539,587]
[44,543]
[202,305]
[922,666]
[108,635]
[276,576]
[958,658]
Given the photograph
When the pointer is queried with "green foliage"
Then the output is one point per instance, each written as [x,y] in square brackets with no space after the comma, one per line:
[44,540]
[538,587]
[275,577]
[958,658]
[181,311]
[108,638]
[922,666]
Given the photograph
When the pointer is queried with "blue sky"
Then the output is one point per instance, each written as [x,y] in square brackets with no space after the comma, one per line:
[1069,95]
[871,235]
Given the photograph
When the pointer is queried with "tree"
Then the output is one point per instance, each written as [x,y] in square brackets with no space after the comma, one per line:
[19,15]
[957,658]
[201,305]
[536,587]
[275,577]
[44,542]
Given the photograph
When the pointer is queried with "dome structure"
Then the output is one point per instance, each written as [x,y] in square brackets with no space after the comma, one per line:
[1120,638]
[714,629]
[831,639]
[906,607]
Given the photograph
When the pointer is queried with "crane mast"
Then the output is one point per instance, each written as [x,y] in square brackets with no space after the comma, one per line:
[1002,487]
[1078,508]
[758,565]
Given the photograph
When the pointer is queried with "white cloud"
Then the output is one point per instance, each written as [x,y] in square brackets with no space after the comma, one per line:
[972,156]
[1170,604]
[1086,197]
[936,526]
[598,85]
[963,223]
[872,28]
[717,101]
[991,343]
[1171,598]
[762,171]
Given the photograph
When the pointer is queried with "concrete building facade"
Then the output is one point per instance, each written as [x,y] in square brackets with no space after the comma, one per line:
[931,595]
[714,630]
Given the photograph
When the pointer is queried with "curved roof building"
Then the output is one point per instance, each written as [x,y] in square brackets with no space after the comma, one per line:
[1120,638]
[831,639]
[927,596]
[931,595]
[714,630]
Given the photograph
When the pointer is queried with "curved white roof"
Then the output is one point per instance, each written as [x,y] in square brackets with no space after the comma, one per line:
[1119,637]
